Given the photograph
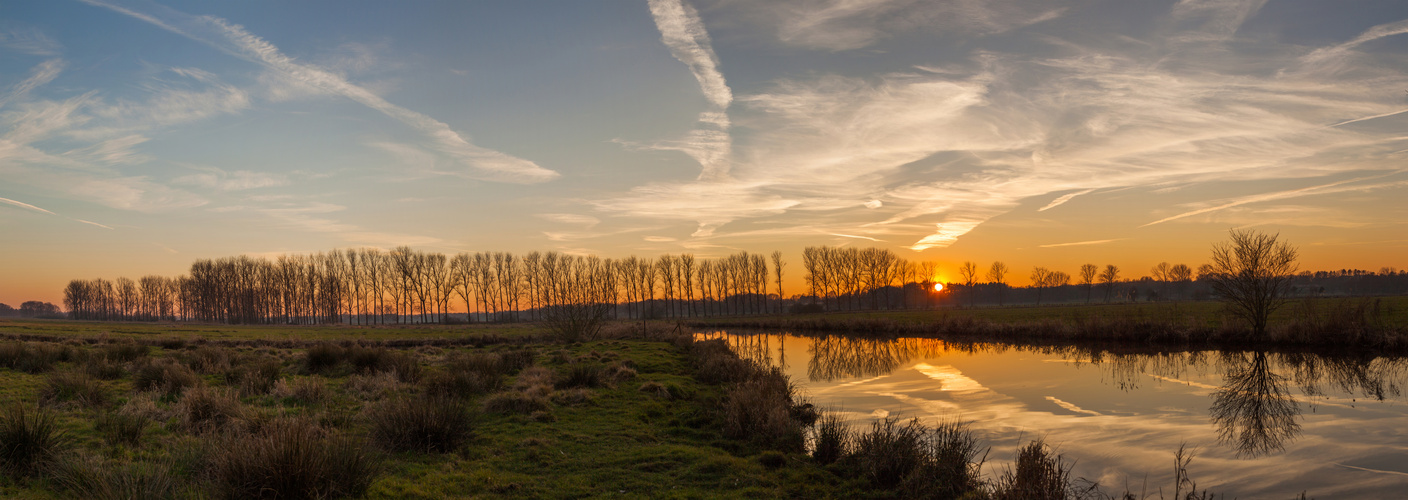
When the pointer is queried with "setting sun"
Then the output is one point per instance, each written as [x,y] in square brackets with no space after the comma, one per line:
[938,287]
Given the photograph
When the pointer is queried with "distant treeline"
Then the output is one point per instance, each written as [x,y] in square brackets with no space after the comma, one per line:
[32,309]
[371,286]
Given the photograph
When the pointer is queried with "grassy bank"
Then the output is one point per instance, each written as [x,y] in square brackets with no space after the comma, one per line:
[1367,323]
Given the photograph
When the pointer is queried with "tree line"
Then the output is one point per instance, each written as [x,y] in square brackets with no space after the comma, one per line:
[403,285]
[372,286]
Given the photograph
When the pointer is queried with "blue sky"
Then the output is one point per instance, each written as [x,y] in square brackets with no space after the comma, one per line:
[138,136]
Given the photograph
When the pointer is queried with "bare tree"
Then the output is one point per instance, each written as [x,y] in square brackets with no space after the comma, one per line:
[969,272]
[995,276]
[1040,276]
[777,265]
[1087,278]
[1163,273]
[1252,274]
[1109,277]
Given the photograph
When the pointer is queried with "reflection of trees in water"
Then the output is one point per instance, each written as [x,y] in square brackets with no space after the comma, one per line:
[835,358]
[1253,411]
[757,348]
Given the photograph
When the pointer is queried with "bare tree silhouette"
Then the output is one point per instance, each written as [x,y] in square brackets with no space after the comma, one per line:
[1087,278]
[1253,410]
[1252,275]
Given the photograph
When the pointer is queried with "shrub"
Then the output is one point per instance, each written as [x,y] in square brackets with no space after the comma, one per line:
[534,381]
[461,383]
[760,410]
[890,453]
[91,477]
[427,424]
[102,367]
[583,375]
[323,357]
[73,386]
[255,376]
[514,402]
[121,427]
[204,409]
[1039,475]
[123,351]
[831,439]
[164,375]
[304,390]
[292,459]
[36,357]
[30,440]
[377,385]
[209,359]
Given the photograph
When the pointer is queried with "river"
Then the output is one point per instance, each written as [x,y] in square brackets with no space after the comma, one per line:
[1261,425]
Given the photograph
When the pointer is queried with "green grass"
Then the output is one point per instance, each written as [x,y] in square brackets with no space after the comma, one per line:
[602,437]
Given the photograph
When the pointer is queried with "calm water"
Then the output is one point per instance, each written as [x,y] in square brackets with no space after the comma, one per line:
[1262,425]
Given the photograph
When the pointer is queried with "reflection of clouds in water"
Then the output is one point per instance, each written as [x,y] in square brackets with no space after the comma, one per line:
[1012,397]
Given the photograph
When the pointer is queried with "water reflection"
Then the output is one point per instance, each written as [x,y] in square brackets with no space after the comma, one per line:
[1253,410]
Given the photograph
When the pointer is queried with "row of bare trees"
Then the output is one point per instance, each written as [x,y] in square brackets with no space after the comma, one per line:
[841,278]
[371,286]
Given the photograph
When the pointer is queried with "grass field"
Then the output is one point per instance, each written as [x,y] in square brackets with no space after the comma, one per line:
[612,418]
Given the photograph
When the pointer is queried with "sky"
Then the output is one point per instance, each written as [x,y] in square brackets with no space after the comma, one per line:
[138,136]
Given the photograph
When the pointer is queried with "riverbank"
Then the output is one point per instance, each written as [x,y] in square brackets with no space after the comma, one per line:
[1361,323]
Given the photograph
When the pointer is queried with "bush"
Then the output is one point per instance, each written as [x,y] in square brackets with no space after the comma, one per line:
[203,409]
[761,411]
[514,402]
[292,459]
[73,386]
[323,357]
[121,427]
[123,351]
[1039,475]
[304,390]
[164,375]
[91,477]
[583,375]
[37,357]
[426,424]
[102,367]
[831,439]
[30,440]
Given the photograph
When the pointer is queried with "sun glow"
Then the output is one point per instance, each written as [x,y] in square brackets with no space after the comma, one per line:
[938,287]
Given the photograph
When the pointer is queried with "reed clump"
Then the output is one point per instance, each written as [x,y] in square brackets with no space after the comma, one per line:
[292,458]
[73,386]
[92,477]
[163,375]
[427,424]
[30,440]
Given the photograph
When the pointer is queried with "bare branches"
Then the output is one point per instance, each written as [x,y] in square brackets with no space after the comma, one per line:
[1252,274]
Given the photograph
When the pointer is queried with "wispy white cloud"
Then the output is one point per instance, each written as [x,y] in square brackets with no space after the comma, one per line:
[1333,187]
[38,76]
[239,180]
[1080,243]
[313,217]
[28,40]
[949,148]
[853,24]
[234,39]
[24,205]
[710,143]
[585,221]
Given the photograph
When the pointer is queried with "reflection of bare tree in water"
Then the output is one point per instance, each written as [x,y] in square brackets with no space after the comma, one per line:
[1367,375]
[1253,410]
[835,358]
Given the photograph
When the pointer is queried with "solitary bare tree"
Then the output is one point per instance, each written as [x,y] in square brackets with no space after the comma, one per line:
[1109,277]
[969,272]
[995,274]
[1252,275]
[1087,278]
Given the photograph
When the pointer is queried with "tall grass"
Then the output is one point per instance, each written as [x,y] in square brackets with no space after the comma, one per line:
[1040,474]
[163,375]
[203,409]
[30,440]
[33,357]
[427,424]
[91,477]
[121,427]
[73,386]
[291,459]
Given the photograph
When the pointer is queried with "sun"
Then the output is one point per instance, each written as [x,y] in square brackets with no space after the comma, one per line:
[938,287]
